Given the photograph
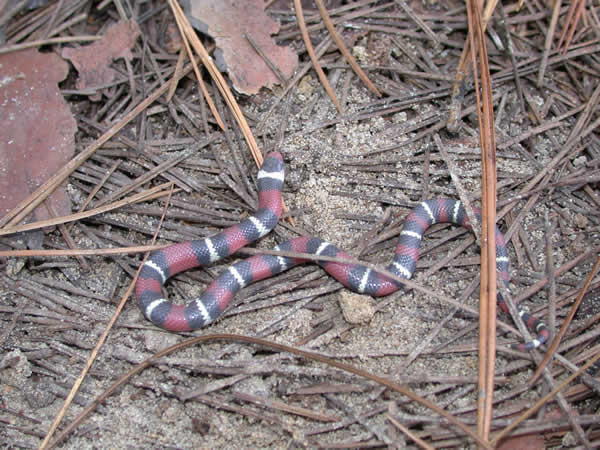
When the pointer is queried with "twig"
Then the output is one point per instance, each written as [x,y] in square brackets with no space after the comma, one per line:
[566,323]
[338,40]
[155,192]
[313,56]
[548,42]
[40,43]
[488,286]
[421,24]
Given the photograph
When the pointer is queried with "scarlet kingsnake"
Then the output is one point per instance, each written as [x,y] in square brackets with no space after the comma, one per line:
[164,263]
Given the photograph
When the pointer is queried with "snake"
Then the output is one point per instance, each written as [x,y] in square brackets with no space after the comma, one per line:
[202,311]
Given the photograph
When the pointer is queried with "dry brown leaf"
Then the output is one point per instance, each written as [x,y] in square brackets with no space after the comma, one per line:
[228,22]
[525,442]
[37,128]
[93,61]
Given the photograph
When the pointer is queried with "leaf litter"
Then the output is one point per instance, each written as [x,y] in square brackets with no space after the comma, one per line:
[93,62]
[357,175]
[37,129]
[239,28]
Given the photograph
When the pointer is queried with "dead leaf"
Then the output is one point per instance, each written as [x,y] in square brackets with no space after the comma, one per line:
[228,22]
[37,128]
[93,61]
[555,413]
[525,442]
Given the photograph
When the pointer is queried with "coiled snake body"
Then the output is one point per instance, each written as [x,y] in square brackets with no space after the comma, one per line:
[164,263]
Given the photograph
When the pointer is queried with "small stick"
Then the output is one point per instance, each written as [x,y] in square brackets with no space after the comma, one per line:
[566,323]
[313,56]
[548,43]
[338,40]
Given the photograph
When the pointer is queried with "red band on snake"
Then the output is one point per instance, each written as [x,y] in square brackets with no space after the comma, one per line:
[200,312]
